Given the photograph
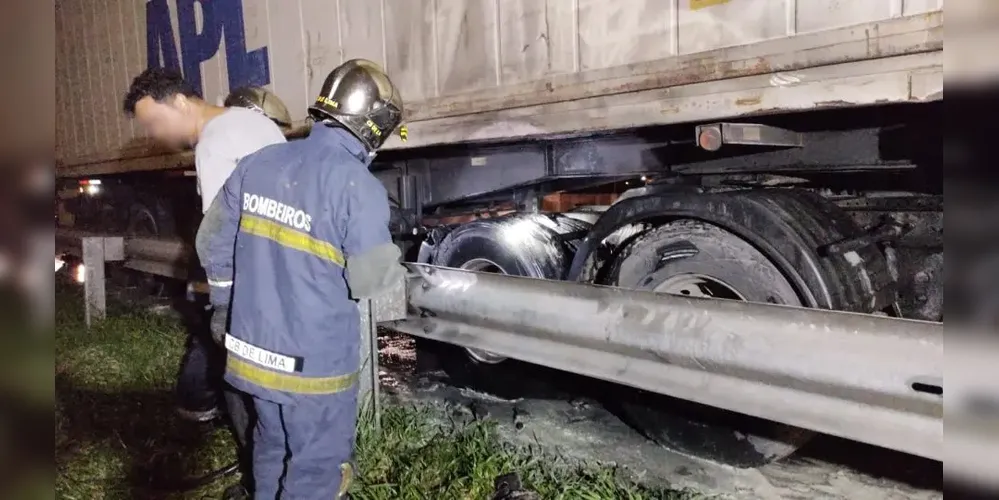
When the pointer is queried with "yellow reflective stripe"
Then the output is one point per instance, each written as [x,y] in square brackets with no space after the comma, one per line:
[291,238]
[289,383]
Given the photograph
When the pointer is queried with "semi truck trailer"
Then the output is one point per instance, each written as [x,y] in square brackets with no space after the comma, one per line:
[775,151]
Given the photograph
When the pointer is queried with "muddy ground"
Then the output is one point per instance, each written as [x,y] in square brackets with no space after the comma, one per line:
[578,426]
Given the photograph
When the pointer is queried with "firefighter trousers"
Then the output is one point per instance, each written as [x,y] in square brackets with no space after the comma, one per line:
[303,451]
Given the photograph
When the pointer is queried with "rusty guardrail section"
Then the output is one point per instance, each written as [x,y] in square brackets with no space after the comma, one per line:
[868,378]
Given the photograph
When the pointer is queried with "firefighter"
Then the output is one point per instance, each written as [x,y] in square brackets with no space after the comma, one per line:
[311,231]
[262,101]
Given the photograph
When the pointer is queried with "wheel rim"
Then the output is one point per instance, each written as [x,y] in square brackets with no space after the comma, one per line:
[483,266]
[144,225]
[698,285]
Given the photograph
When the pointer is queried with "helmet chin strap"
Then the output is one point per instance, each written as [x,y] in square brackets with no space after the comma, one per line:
[329,122]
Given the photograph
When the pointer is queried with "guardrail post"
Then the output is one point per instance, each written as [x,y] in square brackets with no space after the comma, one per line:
[367,393]
[390,306]
[96,251]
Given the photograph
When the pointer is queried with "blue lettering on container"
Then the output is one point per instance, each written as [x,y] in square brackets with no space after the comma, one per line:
[223,21]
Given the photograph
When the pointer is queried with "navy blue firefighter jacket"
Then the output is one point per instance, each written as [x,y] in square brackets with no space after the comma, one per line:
[297,212]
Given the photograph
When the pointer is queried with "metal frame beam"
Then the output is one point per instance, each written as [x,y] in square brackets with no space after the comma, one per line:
[713,136]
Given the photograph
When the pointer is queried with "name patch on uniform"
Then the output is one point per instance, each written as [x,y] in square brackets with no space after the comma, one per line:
[260,356]
[274,210]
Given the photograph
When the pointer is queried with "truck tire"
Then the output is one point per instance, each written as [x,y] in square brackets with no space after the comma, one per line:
[150,219]
[694,258]
[145,219]
[528,245]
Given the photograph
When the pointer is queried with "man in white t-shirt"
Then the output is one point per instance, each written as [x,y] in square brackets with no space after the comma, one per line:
[172,112]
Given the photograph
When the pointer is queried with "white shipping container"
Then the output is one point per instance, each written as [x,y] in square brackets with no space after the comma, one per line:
[493,69]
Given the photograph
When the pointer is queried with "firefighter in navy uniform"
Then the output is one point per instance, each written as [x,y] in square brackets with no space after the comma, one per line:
[262,101]
[311,231]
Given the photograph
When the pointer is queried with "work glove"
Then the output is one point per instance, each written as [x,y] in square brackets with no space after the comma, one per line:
[219,323]
[508,487]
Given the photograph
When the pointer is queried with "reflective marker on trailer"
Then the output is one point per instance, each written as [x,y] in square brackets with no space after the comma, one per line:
[90,186]
[81,273]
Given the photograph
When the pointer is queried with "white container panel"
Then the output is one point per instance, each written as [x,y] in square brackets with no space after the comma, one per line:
[437,51]
[467,54]
[714,24]
[537,39]
[912,7]
[288,72]
[410,50]
[820,16]
[624,31]
[321,40]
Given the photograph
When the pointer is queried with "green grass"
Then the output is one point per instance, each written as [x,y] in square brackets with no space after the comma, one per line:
[116,436]
[26,399]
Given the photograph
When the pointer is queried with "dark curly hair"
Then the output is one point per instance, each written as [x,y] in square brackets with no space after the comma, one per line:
[158,83]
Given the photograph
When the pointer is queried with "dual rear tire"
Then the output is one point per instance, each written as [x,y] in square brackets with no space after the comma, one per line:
[685,257]
[526,245]
[696,259]
[146,219]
